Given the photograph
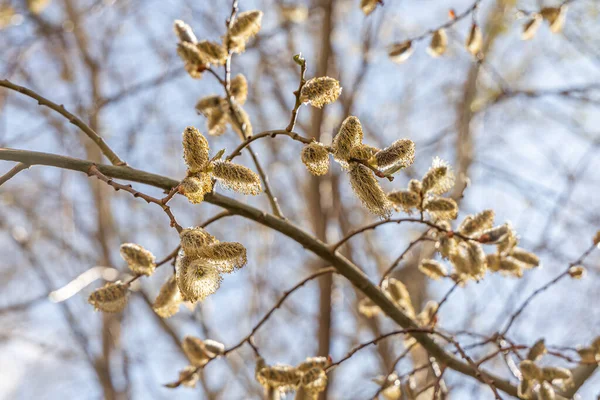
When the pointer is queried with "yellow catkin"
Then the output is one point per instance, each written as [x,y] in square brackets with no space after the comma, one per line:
[367,308]
[577,272]
[495,235]
[400,52]
[415,186]
[362,152]
[225,256]
[184,32]
[313,362]
[433,269]
[546,392]
[315,158]
[212,52]
[438,43]
[473,224]
[195,149]
[314,380]
[195,187]
[442,208]
[140,260]
[236,177]
[556,373]
[439,179]
[474,40]
[446,246]
[208,104]
[37,6]
[168,300]
[511,266]
[530,371]
[429,314]
[195,351]
[189,377]
[110,298]
[588,355]
[368,6]
[196,279]
[194,239]
[281,377]
[396,291]
[321,91]
[369,192]
[531,27]
[195,64]
[525,389]
[216,121]
[246,26]
[493,262]
[405,200]
[399,154]
[350,135]
[537,350]
[294,13]
[240,121]
[239,88]
[555,16]
[524,256]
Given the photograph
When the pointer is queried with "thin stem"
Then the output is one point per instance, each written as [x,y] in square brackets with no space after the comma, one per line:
[245,143]
[13,171]
[108,152]
[298,103]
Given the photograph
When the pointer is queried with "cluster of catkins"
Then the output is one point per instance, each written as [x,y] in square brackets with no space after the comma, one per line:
[202,169]
[308,378]
[555,16]
[361,160]
[198,352]
[199,56]
[541,380]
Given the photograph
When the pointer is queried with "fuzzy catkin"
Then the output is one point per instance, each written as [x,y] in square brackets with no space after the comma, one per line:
[195,187]
[208,104]
[239,89]
[216,121]
[195,149]
[369,192]
[442,208]
[168,300]
[321,91]
[433,269]
[367,308]
[315,158]
[404,199]
[236,177]
[212,52]
[439,179]
[195,351]
[139,260]
[111,298]
[474,40]
[350,135]
[281,377]
[546,392]
[196,279]
[194,239]
[313,362]
[537,350]
[529,370]
[225,256]
[246,25]
[184,32]
[400,153]
[314,380]
[511,266]
[524,256]
[240,121]
[477,223]
[400,52]
[362,152]
[438,43]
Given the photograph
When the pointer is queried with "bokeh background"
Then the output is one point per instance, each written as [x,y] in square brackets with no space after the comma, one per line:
[532,156]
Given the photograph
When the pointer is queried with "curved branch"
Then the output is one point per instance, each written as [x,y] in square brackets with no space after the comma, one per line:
[322,250]
[73,119]
[245,143]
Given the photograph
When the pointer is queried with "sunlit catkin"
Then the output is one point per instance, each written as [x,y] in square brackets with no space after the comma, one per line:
[281,377]
[110,298]
[525,389]
[439,179]
[168,300]
[555,16]
[531,27]
[404,199]
[196,279]
[369,192]
[442,208]
[225,256]
[321,91]
[530,371]
[577,272]
[401,154]
[438,43]
[313,362]
[433,269]
[208,104]
[184,32]
[246,25]
[195,149]
[216,120]
[236,177]
[213,53]
[524,256]
[511,266]
[350,135]
[314,380]
[537,351]
[195,187]
[556,374]
[239,88]
[194,239]
[474,40]
[189,377]
[315,158]
[546,392]
[195,351]
[446,246]
[396,291]
[473,224]
[240,121]
[400,52]
[139,260]
[362,152]
[368,6]
[367,308]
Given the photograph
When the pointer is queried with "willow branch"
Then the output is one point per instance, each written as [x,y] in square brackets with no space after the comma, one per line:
[298,103]
[345,267]
[13,171]
[108,152]
[245,143]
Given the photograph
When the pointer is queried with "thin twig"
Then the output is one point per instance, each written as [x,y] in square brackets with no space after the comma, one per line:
[108,152]
[13,171]
[298,103]
[245,143]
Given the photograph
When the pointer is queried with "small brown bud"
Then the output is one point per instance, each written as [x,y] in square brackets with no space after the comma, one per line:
[577,272]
